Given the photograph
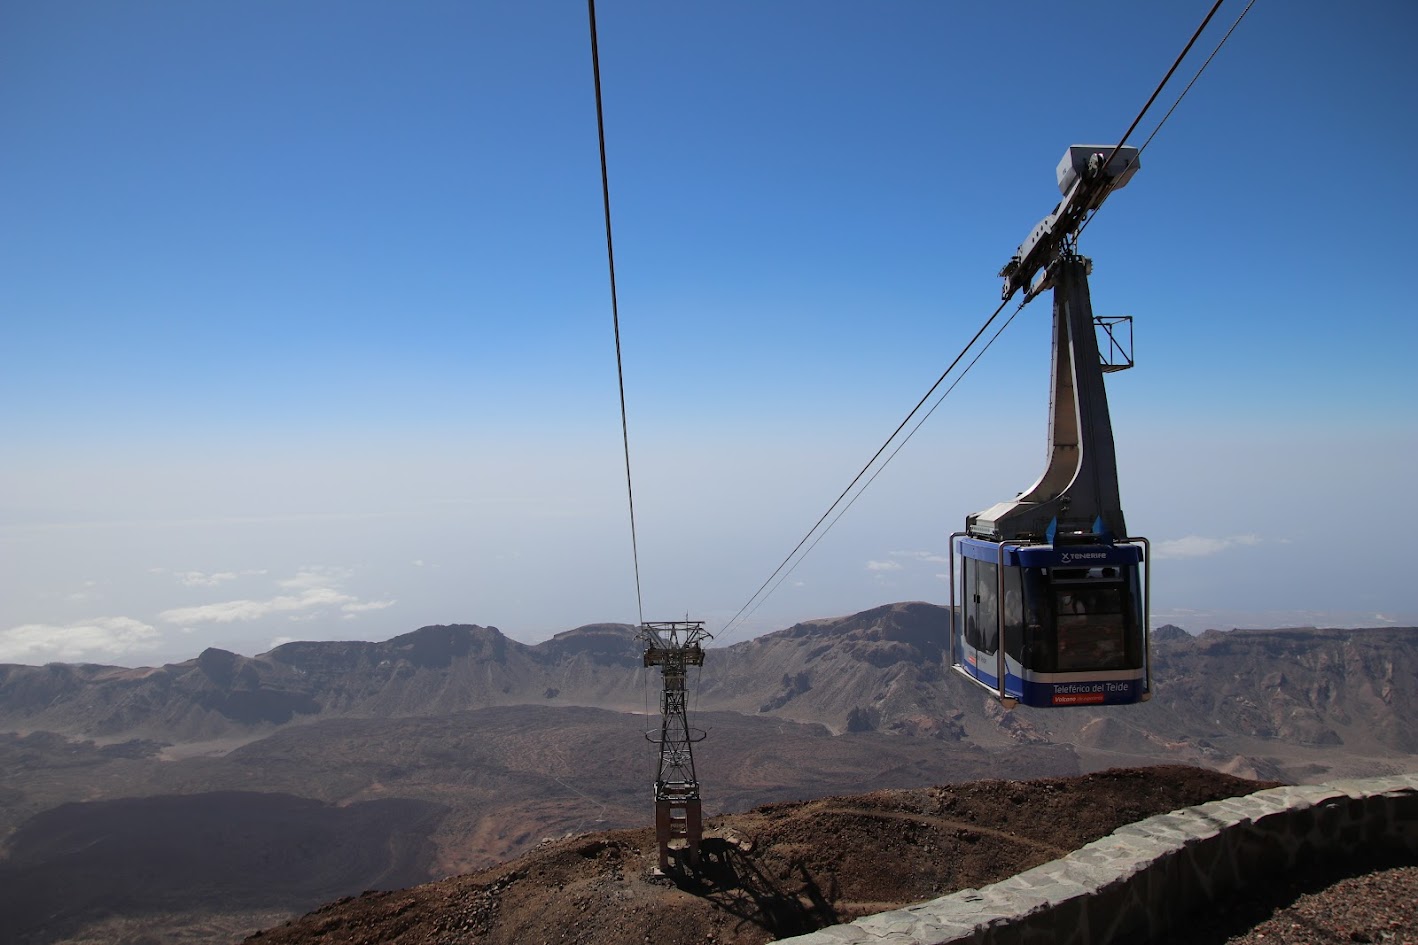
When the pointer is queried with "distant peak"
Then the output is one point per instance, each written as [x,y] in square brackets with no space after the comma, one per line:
[441,631]
[604,643]
[218,665]
[439,645]
[597,629]
[1169,632]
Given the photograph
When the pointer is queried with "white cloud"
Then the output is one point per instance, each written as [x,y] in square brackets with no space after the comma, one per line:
[317,577]
[417,562]
[927,556]
[87,640]
[234,610]
[313,593]
[360,607]
[204,578]
[1195,546]
[883,566]
[198,579]
[280,641]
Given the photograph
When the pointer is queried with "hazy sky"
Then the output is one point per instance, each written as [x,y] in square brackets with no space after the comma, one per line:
[307,330]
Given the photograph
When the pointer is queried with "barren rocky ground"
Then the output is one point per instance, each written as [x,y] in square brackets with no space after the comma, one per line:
[1351,902]
[778,870]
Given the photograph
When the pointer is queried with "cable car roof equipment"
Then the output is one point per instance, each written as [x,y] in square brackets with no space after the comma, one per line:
[1052,609]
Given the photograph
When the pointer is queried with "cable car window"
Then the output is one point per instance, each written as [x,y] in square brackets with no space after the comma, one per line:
[1093,617]
[1036,651]
[1013,607]
[1137,621]
[987,594]
[970,605]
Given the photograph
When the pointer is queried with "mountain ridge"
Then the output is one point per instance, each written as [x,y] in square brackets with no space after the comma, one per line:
[882,669]
[497,745]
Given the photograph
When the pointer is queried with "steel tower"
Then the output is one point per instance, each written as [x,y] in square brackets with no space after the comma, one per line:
[674,646]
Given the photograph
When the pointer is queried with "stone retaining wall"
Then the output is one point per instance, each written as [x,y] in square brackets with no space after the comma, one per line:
[1140,881]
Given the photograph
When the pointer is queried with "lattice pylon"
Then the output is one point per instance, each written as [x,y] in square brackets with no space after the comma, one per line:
[674,646]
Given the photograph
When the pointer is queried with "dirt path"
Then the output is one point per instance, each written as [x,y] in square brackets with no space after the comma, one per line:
[946,823]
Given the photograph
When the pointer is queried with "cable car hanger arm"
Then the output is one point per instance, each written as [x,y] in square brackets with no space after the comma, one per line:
[1087,174]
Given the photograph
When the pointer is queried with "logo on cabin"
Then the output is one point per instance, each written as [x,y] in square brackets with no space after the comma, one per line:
[1071,556]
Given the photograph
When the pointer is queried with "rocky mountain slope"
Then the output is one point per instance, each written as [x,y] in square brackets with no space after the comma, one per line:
[430,671]
[884,669]
[452,748]
[881,670]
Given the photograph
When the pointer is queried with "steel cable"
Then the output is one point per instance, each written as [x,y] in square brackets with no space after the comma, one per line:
[1160,85]
[944,394]
[1084,225]
[615,305]
[863,472]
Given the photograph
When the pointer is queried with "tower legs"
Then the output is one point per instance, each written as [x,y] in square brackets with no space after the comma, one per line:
[679,829]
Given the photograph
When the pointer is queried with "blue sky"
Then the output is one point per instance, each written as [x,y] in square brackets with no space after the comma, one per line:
[306,324]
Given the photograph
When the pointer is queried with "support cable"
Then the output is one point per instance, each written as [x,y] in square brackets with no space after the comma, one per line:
[1160,85]
[838,501]
[615,306]
[1083,226]
[1196,76]
[919,423]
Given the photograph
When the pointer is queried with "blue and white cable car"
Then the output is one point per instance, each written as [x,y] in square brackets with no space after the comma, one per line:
[1053,624]
[1050,602]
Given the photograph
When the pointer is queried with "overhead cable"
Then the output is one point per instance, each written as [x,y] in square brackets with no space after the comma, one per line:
[906,439]
[1196,76]
[615,306]
[1158,127]
[869,463]
[1158,91]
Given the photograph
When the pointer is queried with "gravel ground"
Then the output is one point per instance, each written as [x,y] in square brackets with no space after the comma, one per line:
[1317,908]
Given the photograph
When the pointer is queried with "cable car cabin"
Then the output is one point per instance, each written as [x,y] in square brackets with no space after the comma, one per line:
[1052,611]
[1072,618]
